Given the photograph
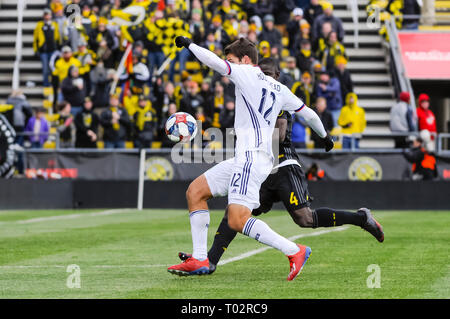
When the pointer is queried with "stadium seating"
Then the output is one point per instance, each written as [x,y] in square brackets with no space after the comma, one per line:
[30,68]
[370,74]
[367,63]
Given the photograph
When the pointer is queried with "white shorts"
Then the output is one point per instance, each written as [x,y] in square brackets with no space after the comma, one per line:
[240,178]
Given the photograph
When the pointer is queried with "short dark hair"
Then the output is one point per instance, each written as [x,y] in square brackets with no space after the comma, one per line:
[62,105]
[243,47]
[270,67]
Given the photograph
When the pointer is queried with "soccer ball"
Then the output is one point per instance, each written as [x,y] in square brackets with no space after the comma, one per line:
[181,126]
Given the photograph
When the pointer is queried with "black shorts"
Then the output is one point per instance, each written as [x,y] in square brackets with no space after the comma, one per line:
[288,185]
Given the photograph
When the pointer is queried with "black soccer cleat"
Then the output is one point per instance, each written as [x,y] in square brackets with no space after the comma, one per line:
[212,268]
[184,256]
[371,225]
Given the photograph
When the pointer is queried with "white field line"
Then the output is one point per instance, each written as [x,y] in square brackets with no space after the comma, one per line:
[223,262]
[70,216]
[90,266]
[260,250]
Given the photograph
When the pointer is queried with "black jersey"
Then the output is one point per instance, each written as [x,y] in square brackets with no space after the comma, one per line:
[288,184]
[286,149]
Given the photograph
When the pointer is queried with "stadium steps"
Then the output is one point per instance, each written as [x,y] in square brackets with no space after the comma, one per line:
[370,74]
[7,27]
[367,66]
[375,79]
[435,28]
[9,14]
[377,117]
[363,29]
[442,16]
[27,54]
[31,4]
[30,67]
[376,105]
[369,41]
[442,5]
[6,80]
[368,143]
[374,91]
[10,39]
[361,54]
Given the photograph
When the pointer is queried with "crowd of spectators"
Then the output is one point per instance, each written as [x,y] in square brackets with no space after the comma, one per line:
[405,121]
[93,102]
[416,130]
[80,56]
[408,14]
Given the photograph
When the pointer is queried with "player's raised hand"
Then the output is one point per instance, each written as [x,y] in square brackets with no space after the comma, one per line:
[329,144]
[181,41]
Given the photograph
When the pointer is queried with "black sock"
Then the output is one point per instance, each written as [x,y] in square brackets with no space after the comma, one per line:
[327,217]
[222,239]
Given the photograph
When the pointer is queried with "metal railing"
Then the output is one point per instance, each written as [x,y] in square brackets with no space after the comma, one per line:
[50,136]
[18,49]
[353,6]
[398,67]
[439,143]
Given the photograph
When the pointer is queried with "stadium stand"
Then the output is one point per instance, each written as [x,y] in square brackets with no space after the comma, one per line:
[365,49]
[442,16]
[370,74]
[30,67]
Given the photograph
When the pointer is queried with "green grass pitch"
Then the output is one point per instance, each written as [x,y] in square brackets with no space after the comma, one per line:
[125,254]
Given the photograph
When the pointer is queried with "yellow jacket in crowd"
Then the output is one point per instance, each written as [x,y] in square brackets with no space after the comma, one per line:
[330,50]
[62,67]
[130,103]
[144,115]
[353,117]
[39,36]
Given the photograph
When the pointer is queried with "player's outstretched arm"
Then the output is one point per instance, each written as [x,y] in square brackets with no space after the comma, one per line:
[314,122]
[205,56]
[292,103]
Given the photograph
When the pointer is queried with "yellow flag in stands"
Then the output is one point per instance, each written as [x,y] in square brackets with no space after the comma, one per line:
[164,31]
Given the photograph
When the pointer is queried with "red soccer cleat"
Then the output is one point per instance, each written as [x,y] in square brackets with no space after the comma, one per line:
[189,267]
[297,261]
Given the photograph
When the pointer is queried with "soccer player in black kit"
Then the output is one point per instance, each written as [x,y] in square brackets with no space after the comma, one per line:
[289,185]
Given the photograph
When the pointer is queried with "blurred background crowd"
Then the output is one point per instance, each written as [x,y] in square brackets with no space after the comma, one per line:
[101,99]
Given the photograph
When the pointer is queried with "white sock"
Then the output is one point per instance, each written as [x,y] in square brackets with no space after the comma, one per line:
[259,230]
[199,229]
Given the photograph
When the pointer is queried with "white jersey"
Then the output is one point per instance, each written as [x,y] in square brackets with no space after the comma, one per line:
[259,100]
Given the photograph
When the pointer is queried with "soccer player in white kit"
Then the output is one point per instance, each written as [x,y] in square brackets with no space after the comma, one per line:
[259,100]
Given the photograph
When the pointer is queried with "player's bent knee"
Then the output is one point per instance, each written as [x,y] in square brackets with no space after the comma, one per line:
[198,191]
[237,217]
[234,224]
[191,192]
[303,217]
